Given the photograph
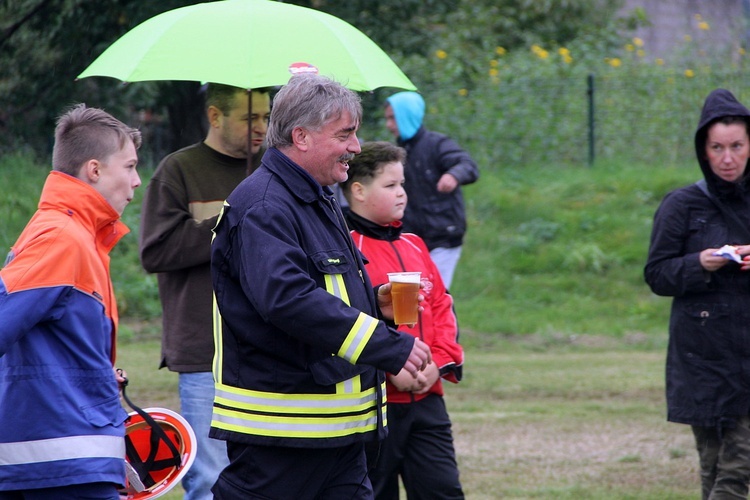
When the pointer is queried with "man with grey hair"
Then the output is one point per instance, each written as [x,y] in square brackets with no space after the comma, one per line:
[302,338]
[62,432]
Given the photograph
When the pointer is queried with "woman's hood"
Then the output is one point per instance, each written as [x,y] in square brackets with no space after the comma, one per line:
[718,104]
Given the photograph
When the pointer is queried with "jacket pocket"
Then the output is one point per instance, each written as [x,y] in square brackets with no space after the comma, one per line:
[704,330]
[331,262]
[105,412]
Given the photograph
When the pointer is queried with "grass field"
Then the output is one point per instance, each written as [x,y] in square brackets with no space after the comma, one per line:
[563,395]
[580,419]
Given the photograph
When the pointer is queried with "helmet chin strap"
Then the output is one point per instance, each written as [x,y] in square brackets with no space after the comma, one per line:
[142,468]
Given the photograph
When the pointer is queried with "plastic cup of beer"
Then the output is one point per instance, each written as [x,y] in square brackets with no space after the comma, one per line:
[405,296]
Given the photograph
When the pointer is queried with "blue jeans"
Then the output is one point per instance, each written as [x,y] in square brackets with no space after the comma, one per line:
[197,399]
[446,260]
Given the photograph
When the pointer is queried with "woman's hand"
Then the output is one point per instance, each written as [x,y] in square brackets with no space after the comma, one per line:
[711,262]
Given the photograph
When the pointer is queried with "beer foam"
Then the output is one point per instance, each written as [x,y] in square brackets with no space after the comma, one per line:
[408,277]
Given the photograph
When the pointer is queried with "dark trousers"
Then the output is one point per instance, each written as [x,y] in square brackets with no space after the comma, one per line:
[93,491]
[282,473]
[419,448]
[724,460]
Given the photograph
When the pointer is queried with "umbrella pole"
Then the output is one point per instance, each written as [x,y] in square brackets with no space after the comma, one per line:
[249,167]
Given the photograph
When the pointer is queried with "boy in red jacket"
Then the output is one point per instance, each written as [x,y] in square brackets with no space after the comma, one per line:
[419,446]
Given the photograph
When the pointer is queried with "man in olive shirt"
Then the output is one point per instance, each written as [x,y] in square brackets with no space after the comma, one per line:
[180,207]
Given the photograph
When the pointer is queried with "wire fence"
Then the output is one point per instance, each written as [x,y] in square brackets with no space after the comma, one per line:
[647,119]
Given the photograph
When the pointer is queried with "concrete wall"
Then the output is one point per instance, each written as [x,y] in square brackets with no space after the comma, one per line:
[673,20]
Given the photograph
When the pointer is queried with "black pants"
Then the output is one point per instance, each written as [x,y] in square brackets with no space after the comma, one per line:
[419,448]
[89,491]
[281,473]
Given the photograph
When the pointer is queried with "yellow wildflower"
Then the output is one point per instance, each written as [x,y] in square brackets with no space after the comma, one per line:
[567,59]
[637,42]
[540,52]
[615,62]
[493,72]
[688,38]
[463,92]
[563,51]
[641,52]
[704,25]
[629,47]
[494,63]
[741,51]
[697,17]
[689,73]
[500,51]
[441,54]
[659,61]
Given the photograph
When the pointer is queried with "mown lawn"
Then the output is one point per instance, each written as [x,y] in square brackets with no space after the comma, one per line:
[581,419]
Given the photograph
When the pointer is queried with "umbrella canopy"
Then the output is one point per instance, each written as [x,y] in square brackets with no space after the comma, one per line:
[247,44]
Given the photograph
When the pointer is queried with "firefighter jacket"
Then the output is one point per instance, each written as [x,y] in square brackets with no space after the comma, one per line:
[387,250]
[62,421]
[299,346]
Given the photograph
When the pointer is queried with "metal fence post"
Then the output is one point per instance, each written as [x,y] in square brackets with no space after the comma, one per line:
[590,92]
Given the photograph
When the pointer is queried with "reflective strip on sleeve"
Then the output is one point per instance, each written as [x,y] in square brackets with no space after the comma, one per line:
[358,337]
[65,448]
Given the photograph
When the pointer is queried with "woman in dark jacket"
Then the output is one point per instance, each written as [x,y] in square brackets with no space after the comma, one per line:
[708,359]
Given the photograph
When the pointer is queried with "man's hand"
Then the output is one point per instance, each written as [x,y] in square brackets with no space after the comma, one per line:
[385,301]
[419,358]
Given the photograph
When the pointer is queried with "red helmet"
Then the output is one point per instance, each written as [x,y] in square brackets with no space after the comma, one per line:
[160,448]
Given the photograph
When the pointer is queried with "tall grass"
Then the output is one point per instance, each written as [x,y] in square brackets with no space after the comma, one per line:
[551,250]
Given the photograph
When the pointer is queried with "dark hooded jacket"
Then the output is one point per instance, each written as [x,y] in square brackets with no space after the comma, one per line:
[439,218]
[708,358]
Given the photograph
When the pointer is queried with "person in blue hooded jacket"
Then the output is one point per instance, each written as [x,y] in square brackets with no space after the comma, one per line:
[436,168]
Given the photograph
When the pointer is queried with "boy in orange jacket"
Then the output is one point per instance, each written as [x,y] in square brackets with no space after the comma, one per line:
[419,446]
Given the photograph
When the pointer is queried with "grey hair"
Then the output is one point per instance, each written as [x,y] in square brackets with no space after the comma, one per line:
[309,101]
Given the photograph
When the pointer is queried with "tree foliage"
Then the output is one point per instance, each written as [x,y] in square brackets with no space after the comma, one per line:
[44,44]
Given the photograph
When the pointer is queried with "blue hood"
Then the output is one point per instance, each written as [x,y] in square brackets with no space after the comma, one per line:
[408,109]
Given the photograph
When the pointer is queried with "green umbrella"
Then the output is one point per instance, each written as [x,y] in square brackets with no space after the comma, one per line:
[248,44]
